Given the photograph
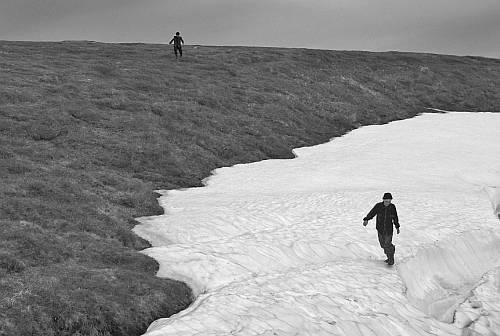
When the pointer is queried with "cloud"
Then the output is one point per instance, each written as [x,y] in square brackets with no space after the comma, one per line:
[25,18]
[442,26]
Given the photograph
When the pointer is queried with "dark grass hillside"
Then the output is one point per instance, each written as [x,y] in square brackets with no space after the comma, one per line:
[89,130]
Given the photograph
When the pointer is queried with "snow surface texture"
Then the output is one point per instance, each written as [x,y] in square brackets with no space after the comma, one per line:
[278,248]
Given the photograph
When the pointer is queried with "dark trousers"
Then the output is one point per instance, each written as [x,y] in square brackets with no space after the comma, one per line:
[177,48]
[386,243]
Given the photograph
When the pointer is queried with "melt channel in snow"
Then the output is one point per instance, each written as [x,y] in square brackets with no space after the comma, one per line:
[277,247]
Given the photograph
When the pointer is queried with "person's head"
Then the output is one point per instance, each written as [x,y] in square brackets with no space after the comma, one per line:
[177,33]
[387,198]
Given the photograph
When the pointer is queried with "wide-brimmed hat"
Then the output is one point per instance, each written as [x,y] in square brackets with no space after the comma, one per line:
[387,196]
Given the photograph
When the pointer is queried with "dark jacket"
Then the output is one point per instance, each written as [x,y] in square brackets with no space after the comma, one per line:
[177,41]
[386,217]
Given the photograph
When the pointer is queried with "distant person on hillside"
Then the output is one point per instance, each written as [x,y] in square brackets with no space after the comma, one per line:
[387,216]
[178,42]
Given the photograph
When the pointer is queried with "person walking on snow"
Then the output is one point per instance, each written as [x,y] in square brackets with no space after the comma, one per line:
[387,216]
[178,42]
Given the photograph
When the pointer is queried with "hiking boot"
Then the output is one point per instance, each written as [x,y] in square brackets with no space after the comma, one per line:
[386,260]
[390,261]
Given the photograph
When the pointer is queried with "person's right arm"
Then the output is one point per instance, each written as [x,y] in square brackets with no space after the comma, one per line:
[370,215]
[172,40]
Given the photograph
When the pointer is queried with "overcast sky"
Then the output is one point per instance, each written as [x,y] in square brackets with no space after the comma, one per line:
[462,27]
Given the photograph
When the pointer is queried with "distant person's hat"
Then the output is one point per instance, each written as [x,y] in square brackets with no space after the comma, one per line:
[387,196]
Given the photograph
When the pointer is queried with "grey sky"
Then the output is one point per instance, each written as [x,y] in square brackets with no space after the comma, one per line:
[463,27]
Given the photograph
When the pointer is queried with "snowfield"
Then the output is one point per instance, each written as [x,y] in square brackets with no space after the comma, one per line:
[278,248]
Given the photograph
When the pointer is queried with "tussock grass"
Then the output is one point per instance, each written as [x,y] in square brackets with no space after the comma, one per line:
[89,130]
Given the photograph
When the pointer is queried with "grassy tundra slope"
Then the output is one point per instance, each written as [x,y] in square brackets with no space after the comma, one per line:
[89,130]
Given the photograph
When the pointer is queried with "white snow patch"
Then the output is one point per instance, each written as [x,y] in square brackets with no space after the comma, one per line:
[439,278]
[494,193]
[277,247]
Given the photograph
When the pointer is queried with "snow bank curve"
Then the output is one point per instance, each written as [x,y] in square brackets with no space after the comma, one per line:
[277,247]
[441,277]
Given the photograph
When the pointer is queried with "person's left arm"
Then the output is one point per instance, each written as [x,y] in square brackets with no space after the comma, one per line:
[396,219]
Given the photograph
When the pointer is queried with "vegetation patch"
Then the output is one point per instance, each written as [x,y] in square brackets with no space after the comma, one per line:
[89,130]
